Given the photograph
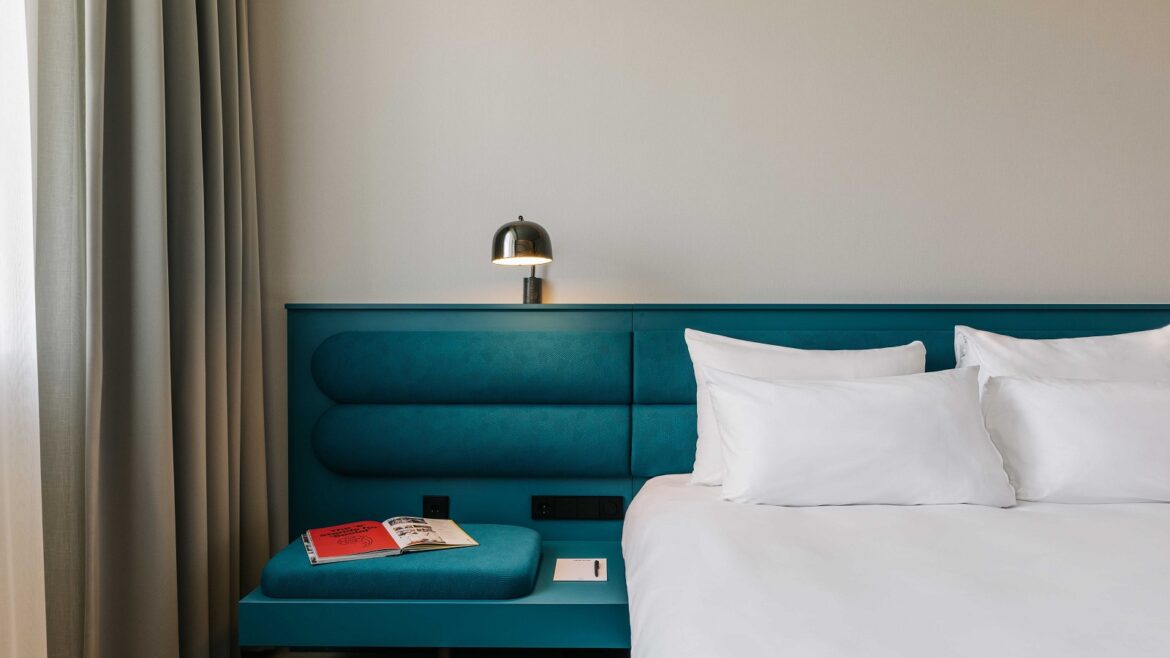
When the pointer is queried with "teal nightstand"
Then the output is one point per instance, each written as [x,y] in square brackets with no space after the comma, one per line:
[555,615]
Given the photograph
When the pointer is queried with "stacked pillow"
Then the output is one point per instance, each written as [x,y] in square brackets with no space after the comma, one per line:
[741,357]
[908,440]
[1075,420]
[784,426]
[1140,356]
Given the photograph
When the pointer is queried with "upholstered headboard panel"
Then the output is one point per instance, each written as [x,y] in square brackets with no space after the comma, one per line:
[474,367]
[491,405]
[486,405]
[420,403]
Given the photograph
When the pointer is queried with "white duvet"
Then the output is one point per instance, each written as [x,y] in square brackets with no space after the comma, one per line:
[709,578]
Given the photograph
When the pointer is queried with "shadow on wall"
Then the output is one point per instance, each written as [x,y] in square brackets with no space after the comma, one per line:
[466,653]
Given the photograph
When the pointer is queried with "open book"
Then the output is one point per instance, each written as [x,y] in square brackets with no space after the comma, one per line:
[366,539]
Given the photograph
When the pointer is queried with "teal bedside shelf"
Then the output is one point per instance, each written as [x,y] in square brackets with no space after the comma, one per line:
[555,615]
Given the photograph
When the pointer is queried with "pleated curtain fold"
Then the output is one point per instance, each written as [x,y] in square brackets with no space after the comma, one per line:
[148,300]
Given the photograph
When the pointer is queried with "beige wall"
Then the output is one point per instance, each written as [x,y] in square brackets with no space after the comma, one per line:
[713,150]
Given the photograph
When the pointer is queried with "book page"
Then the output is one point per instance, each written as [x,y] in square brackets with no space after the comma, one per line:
[450,533]
[415,531]
[412,531]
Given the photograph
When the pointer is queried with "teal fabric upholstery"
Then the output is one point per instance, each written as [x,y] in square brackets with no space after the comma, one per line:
[475,440]
[665,442]
[503,566]
[452,367]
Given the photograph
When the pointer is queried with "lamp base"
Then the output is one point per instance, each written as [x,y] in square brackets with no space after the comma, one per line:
[532,286]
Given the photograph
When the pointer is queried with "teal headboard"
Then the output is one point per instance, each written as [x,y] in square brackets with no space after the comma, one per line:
[492,404]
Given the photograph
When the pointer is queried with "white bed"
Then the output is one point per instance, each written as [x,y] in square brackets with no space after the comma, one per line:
[709,578]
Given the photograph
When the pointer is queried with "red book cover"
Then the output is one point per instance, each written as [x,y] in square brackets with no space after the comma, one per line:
[349,540]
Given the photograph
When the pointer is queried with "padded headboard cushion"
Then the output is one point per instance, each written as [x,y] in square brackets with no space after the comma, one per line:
[474,367]
[475,440]
[477,404]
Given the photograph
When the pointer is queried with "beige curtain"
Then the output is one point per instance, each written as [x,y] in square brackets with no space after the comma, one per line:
[148,295]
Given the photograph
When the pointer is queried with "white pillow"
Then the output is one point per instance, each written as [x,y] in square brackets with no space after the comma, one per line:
[743,357]
[1079,441]
[908,440]
[1140,356]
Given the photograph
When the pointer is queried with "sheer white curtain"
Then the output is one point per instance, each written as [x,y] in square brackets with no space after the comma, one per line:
[22,582]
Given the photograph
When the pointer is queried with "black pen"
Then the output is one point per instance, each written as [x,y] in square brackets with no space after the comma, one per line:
[596,568]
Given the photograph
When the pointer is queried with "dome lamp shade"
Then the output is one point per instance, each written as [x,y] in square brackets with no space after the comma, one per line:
[521,243]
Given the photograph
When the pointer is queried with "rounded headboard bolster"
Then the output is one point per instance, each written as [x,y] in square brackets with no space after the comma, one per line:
[474,367]
[475,440]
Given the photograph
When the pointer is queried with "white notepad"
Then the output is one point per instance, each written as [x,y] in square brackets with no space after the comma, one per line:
[580,569]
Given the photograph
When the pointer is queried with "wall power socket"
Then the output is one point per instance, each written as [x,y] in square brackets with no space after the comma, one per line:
[436,507]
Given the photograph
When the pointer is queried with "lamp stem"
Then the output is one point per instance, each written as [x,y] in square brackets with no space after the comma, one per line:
[532,288]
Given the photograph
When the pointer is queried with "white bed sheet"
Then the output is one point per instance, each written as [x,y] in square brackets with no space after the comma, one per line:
[709,578]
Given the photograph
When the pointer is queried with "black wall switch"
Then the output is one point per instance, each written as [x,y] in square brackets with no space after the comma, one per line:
[542,507]
[437,507]
[610,507]
[577,508]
